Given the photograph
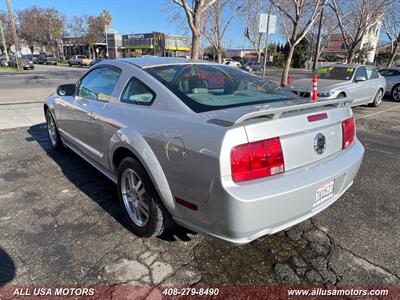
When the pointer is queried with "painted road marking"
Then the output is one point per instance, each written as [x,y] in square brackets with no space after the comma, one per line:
[379,112]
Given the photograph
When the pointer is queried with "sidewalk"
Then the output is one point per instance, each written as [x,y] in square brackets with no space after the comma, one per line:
[21,115]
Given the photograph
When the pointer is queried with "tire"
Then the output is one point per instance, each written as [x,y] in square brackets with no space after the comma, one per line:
[396,92]
[69,64]
[378,98]
[138,197]
[341,95]
[53,133]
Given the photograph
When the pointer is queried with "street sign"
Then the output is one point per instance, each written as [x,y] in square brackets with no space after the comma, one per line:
[272,24]
[262,26]
[263,23]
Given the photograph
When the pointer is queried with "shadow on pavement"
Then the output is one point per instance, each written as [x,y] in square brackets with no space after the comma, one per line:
[91,182]
[7,267]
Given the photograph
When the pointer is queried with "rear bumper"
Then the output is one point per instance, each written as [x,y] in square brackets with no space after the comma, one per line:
[242,213]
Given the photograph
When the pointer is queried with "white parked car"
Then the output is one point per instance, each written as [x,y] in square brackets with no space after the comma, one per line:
[234,63]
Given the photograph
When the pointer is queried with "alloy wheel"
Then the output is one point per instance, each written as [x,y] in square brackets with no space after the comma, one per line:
[134,197]
[396,93]
[51,128]
[378,97]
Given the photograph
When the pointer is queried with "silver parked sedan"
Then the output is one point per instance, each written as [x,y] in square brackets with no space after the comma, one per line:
[209,146]
[392,76]
[362,84]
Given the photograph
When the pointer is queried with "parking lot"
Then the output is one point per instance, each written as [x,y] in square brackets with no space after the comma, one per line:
[60,222]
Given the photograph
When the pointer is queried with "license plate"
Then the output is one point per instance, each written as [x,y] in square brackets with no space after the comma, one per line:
[324,193]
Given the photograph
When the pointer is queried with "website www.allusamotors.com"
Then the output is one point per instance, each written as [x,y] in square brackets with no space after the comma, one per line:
[338,292]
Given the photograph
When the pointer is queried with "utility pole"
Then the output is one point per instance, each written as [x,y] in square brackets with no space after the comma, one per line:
[15,37]
[266,46]
[318,46]
[3,38]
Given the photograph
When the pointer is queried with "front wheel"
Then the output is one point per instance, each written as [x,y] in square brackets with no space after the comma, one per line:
[396,92]
[52,130]
[378,98]
[139,200]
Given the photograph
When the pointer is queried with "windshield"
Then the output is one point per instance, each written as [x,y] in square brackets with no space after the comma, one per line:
[336,73]
[212,87]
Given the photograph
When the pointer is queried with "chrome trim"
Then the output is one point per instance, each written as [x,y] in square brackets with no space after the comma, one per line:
[78,141]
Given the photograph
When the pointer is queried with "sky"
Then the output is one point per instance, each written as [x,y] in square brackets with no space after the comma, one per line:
[133,16]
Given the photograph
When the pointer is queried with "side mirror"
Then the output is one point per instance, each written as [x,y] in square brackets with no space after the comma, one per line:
[360,78]
[66,89]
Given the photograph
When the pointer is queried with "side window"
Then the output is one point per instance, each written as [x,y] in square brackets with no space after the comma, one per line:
[386,72]
[136,92]
[361,73]
[371,73]
[99,83]
[374,74]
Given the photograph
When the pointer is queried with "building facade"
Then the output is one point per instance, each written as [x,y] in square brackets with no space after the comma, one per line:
[129,45]
[155,43]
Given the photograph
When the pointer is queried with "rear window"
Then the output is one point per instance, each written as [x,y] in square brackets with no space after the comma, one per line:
[211,87]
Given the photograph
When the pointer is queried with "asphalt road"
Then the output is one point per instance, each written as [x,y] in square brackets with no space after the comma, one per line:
[60,224]
[35,85]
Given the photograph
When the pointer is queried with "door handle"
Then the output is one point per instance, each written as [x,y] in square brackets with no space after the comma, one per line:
[92,115]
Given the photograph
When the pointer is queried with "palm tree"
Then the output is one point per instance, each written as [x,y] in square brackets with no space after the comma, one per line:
[107,18]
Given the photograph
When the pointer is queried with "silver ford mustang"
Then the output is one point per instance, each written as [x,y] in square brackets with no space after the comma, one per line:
[205,145]
[362,84]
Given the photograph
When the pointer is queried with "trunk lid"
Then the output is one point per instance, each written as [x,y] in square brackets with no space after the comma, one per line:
[303,142]
[299,134]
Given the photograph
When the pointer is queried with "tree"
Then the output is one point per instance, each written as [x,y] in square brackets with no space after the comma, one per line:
[356,18]
[43,26]
[106,15]
[91,29]
[194,14]
[211,53]
[301,54]
[251,11]
[297,18]
[6,28]
[216,28]
[391,26]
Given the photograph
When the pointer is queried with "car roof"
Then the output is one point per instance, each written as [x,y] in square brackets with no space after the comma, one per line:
[391,68]
[155,61]
[344,65]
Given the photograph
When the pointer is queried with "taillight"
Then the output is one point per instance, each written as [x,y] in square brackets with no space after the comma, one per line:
[349,132]
[257,159]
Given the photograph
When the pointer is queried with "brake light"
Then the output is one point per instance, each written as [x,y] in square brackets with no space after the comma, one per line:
[257,159]
[349,132]
[317,117]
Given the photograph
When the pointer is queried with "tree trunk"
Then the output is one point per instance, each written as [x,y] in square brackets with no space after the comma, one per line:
[258,56]
[219,57]
[287,65]
[393,54]
[196,37]
[350,55]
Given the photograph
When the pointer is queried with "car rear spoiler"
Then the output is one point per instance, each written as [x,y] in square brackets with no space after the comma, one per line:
[276,113]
